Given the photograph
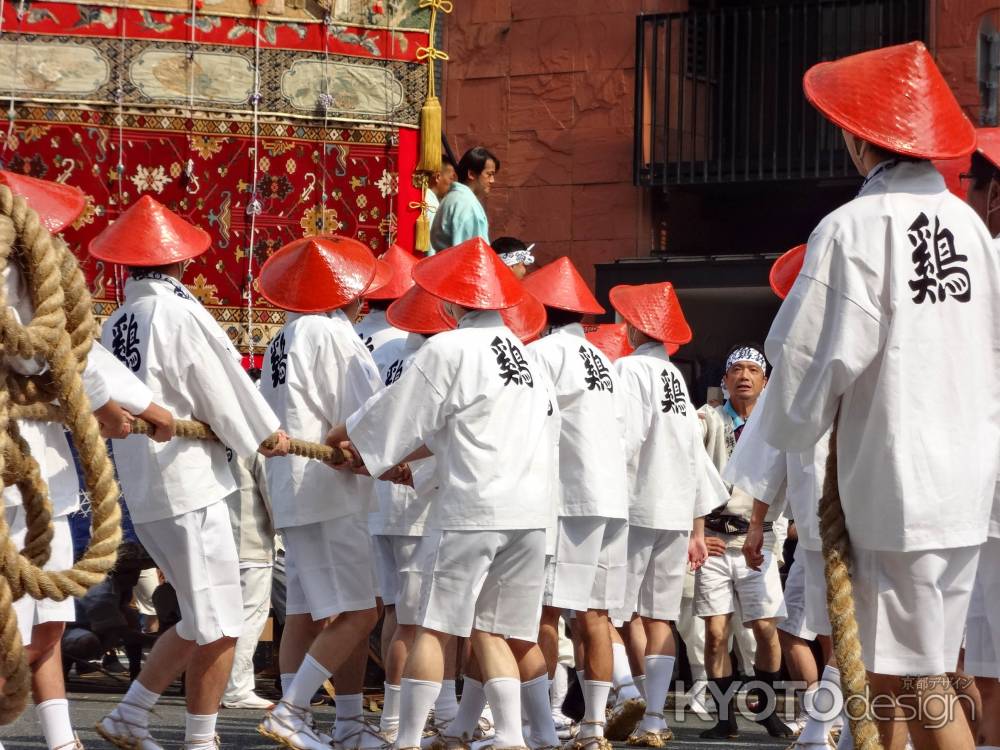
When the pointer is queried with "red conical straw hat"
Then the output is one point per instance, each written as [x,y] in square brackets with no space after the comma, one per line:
[419,312]
[316,274]
[561,286]
[401,263]
[57,205]
[894,97]
[526,319]
[654,309]
[988,144]
[149,234]
[610,338]
[786,269]
[470,275]
[383,277]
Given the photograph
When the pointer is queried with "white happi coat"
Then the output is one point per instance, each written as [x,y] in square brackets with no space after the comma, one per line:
[471,397]
[386,343]
[103,378]
[402,510]
[177,349]
[591,461]
[670,477]
[761,470]
[316,373]
[893,320]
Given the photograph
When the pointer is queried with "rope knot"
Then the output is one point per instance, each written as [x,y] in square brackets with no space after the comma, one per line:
[444,6]
[431,53]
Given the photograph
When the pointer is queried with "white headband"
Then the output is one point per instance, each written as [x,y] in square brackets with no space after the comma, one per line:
[747,354]
[518,256]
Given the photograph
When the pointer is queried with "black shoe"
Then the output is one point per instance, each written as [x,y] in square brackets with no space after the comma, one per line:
[772,722]
[726,729]
[775,726]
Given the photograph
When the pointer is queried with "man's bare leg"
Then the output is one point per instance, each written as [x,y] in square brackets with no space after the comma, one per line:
[968,695]
[299,633]
[989,717]
[548,637]
[348,681]
[720,676]
[767,667]
[534,675]
[48,689]
[395,652]
[502,686]
[939,724]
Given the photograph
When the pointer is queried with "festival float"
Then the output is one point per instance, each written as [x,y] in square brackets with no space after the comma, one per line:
[259,122]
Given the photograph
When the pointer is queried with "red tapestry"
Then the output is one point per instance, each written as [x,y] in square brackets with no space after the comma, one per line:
[208,179]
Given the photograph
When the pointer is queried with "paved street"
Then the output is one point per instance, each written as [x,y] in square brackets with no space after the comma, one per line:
[92,697]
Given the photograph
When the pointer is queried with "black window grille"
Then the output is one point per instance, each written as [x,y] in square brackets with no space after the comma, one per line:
[718,92]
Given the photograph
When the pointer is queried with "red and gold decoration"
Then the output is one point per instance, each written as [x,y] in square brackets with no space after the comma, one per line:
[259,124]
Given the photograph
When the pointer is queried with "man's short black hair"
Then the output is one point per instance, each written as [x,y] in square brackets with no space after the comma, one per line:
[503,245]
[559,318]
[447,161]
[474,161]
[982,171]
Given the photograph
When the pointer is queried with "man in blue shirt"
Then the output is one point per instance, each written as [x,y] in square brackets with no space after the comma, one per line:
[461,215]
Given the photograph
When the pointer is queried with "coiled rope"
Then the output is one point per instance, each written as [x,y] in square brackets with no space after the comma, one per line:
[60,335]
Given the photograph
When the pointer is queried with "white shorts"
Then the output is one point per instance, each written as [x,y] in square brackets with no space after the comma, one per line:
[982,629]
[795,601]
[329,567]
[393,560]
[588,569]
[198,556]
[657,565]
[817,615]
[911,608]
[725,578]
[488,580]
[31,612]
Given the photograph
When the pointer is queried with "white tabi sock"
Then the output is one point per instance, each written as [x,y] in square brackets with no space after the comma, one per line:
[446,705]
[595,698]
[622,674]
[286,682]
[349,713]
[536,708]
[137,704]
[415,700]
[818,703]
[558,687]
[389,722]
[307,681]
[504,696]
[640,686]
[470,708]
[199,731]
[53,715]
[659,670]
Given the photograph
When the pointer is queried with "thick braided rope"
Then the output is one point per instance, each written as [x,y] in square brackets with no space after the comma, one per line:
[56,335]
[190,429]
[840,604]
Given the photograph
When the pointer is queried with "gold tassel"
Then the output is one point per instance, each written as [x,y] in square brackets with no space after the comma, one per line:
[422,235]
[430,113]
[430,135]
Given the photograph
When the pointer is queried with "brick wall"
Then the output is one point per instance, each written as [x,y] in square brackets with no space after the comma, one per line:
[955,32]
[548,86]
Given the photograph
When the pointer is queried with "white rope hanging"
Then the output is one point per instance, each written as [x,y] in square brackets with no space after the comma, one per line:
[254,206]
